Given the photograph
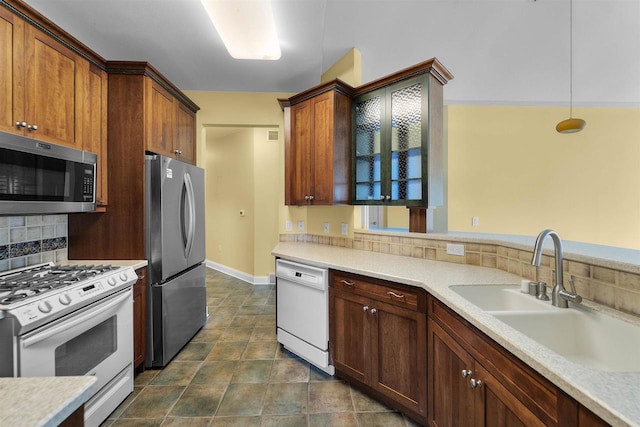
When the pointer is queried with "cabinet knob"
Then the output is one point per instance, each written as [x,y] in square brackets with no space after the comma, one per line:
[21,124]
[365,308]
[32,127]
[178,152]
[374,311]
[311,197]
[475,383]
[466,373]
[387,197]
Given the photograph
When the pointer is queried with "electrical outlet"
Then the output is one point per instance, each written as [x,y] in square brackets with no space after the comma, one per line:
[453,249]
[344,229]
[288,226]
[475,221]
[300,225]
[325,228]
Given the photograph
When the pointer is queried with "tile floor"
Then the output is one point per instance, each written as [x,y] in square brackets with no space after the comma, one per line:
[234,373]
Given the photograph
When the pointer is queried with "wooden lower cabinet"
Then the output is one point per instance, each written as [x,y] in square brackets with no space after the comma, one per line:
[473,381]
[379,345]
[140,319]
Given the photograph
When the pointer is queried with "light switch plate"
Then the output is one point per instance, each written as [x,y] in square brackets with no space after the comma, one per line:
[344,229]
[300,225]
[288,226]
[325,228]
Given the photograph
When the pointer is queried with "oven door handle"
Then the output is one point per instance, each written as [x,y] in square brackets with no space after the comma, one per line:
[83,318]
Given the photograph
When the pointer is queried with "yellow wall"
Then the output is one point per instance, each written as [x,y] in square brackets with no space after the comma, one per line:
[509,167]
[348,69]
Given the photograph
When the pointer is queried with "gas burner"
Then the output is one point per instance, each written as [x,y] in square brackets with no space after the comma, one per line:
[30,281]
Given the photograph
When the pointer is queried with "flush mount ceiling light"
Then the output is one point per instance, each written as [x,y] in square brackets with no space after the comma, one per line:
[571,125]
[247,27]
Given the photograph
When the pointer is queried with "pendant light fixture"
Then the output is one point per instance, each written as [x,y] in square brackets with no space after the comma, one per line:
[571,125]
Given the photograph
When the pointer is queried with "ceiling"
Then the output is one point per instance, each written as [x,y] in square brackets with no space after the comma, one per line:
[500,51]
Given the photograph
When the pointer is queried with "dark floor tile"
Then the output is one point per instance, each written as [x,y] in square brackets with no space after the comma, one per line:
[237,334]
[209,334]
[286,398]
[243,399]
[176,373]
[290,371]
[266,320]
[252,371]
[260,350]
[298,420]
[317,374]
[236,422]
[199,400]
[227,351]
[137,422]
[195,351]
[153,402]
[264,333]
[364,403]
[125,404]
[226,310]
[187,422]
[243,321]
[234,300]
[332,396]
[335,419]
[215,372]
[144,378]
[218,320]
[380,419]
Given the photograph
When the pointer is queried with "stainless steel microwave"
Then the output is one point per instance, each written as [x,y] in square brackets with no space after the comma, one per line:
[40,177]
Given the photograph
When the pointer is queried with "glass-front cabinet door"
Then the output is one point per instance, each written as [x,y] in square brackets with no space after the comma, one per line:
[390,134]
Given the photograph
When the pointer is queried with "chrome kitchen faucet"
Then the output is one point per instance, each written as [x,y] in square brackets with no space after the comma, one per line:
[559,295]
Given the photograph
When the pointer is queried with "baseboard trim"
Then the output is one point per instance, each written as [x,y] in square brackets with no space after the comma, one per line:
[253,280]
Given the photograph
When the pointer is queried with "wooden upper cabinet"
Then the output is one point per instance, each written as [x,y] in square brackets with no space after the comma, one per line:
[185,133]
[317,145]
[11,71]
[94,132]
[159,118]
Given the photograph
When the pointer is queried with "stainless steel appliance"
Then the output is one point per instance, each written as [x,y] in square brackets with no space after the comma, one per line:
[38,177]
[302,314]
[70,320]
[176,299]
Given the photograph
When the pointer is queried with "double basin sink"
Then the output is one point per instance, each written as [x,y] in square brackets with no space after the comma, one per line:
[580,334]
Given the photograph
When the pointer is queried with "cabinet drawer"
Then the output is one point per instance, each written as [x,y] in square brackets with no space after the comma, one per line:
[381,290]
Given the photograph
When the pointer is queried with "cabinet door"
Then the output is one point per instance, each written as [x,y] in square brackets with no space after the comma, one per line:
[301,153]
[349,334]
[322,149]
[53,90]
[185,137]
[94,133]
[497,407]
[451,402]
[160,119]
[140,317]
[11,71]
[369,136]
[399,344]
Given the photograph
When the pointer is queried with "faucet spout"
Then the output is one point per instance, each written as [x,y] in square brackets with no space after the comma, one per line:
[559,295]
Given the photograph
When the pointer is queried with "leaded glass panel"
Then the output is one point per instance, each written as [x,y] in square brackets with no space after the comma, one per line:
[367,135]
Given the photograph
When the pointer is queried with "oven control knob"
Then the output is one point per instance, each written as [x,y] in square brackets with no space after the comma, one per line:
[111,281]
[44,307]
[64,299]
[123,276]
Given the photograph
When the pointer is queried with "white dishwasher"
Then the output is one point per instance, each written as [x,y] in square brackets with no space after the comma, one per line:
[302,314]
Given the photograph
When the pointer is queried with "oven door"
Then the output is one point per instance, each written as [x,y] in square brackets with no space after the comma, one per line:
[96,340]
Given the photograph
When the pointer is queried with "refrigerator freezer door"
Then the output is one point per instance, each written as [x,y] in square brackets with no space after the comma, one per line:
[179,311]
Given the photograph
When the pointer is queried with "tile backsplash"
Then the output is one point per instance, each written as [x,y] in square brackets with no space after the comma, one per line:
[609,286]
[32,239]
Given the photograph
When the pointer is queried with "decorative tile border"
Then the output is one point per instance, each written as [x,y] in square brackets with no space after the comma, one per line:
[32,239]
[613,288]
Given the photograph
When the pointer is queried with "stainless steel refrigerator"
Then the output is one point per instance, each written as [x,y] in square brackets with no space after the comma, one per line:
[175,247]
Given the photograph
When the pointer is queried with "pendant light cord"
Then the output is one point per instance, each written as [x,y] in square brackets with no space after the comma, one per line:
[570,58]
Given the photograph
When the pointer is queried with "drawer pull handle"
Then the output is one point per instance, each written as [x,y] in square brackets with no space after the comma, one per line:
[346,282]
[394,295]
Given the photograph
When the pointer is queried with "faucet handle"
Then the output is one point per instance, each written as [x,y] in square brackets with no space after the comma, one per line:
[542,291]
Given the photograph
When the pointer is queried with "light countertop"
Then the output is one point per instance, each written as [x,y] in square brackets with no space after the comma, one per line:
[612,396]
[45,401]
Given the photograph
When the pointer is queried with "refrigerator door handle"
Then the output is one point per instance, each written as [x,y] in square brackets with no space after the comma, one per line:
[190,232]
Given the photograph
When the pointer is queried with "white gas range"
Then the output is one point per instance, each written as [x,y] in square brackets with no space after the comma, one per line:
[70,320]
